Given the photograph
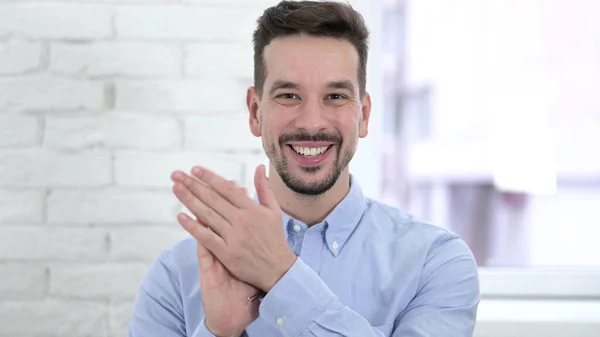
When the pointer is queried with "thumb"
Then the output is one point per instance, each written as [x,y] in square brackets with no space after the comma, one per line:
[263,189]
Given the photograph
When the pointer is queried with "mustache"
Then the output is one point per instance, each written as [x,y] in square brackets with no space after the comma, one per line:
[307,137]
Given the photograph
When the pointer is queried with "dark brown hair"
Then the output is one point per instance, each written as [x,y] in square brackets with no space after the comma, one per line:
[314,18]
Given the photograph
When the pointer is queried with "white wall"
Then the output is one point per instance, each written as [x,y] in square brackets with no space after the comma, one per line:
[99,101]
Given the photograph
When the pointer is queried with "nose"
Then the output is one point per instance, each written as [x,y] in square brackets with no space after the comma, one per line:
[311,117]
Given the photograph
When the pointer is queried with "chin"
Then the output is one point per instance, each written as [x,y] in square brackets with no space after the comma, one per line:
[311,180]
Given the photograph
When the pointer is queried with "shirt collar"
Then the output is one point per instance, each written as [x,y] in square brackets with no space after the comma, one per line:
[341,221]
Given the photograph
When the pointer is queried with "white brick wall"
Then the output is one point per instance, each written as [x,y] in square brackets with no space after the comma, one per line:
[19,56]
[116,58]
[99,101]
[116,131]
[19,131]
[55,21]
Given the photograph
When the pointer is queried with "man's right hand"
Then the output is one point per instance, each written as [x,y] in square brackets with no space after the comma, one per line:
[225,298]
[228,311]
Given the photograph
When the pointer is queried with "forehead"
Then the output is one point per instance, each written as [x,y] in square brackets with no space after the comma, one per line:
[310,60]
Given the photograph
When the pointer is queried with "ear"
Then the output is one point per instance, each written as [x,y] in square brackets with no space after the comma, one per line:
[252,102]
[363,128]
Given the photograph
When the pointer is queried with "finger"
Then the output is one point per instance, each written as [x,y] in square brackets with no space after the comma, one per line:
[176,177]
[203,213]
[207,239]
[226,188]
[266,197]
[205,194]
[205,258]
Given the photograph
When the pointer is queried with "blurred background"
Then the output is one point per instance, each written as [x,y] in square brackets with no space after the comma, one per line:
[486,121]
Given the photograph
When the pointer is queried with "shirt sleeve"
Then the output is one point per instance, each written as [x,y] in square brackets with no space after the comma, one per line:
[158,309]
[301,304]
[446,303]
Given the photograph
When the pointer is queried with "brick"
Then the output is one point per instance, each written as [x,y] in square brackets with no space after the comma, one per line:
[23,281]
[53,317]
[149,242]
[120,314]
[111,206]
[186,22]
[114,131]
[52,244]
[116,58]
[257,4]
[19,131]
[102,281]
[251,161]
[191,96]
[154,169]
[118,2]
[54,21]
[21,206]
[220,132]
[231,60]
[48,93]
[17,57]
[40,168]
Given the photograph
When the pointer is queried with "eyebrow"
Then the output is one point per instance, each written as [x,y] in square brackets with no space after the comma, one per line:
[283,85]
[341,85]
[280,84]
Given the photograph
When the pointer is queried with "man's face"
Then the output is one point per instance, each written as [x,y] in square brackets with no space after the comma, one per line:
[310,114]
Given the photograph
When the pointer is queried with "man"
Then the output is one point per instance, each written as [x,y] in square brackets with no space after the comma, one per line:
[311,256]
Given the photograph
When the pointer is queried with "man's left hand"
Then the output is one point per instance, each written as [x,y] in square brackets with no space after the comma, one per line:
[246,236]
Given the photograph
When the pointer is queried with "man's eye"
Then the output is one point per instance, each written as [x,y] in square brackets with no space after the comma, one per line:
[336,96]
[287,96]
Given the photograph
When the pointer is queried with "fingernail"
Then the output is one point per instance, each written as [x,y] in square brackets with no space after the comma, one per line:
[178,176]
[196,170]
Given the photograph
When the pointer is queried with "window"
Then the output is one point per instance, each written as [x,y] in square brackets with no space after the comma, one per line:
[492,129]
[493,125]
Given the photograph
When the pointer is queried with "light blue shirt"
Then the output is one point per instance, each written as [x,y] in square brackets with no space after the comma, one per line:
[367,270]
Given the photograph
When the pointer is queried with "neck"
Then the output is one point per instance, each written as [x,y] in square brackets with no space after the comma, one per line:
[309,209]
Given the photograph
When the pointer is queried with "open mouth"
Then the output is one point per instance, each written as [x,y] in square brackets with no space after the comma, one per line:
[311,154]
[310,151]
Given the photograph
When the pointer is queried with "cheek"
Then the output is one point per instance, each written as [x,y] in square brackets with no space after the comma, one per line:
[348,124]
[278,122]
[270,131]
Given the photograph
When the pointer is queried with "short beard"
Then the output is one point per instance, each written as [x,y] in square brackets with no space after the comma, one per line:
[313,188]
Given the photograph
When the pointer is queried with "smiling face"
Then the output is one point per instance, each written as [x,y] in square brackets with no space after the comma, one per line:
[309,113]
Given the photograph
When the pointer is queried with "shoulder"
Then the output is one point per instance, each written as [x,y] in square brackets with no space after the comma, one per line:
[171,266]
[414,236]
[180,256]
[401,224]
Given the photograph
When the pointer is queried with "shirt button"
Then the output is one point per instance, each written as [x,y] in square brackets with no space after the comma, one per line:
[280,321]
[335,245]
[297,228]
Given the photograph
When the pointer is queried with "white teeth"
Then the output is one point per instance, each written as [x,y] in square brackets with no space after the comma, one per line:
[310,151]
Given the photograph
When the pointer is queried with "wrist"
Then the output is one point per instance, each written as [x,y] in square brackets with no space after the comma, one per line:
[241,334]
[235,334]
[238,334]
[280,270]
